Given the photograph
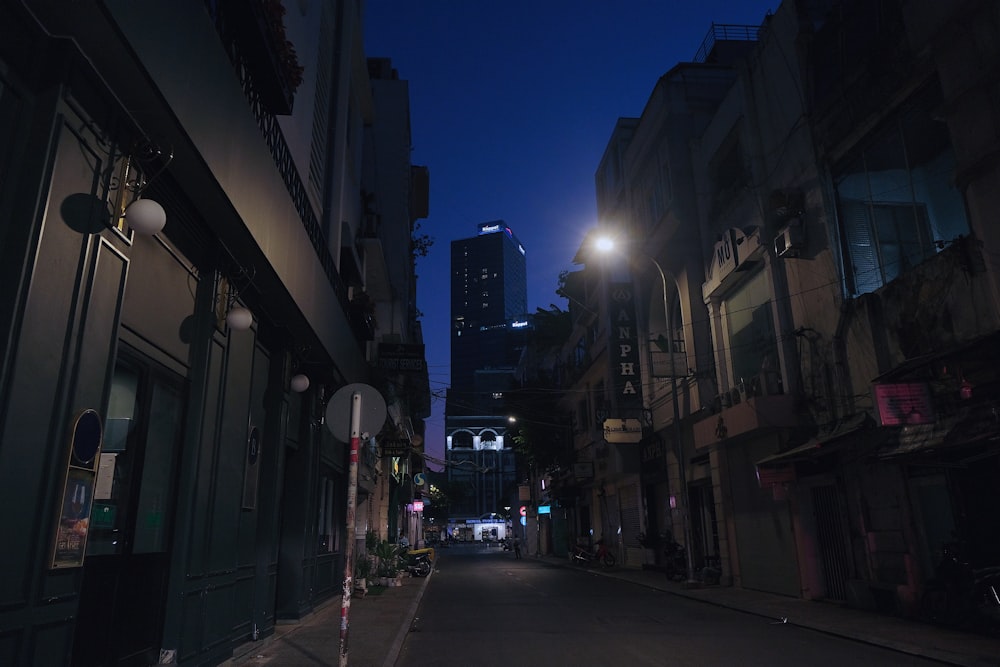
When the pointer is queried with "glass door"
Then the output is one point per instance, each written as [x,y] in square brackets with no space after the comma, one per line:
[127,561]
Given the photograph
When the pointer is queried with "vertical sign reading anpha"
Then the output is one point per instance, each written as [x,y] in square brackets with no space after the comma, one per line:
[624,349]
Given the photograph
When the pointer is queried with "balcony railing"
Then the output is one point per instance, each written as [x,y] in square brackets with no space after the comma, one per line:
[721,32]
[259,35]
[250,74]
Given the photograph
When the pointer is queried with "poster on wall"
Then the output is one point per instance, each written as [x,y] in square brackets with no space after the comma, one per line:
[70,541]
[74,522]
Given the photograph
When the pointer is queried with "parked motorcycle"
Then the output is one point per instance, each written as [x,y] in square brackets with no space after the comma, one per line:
[675,558]
[600,554]
[962,596]
[417,562]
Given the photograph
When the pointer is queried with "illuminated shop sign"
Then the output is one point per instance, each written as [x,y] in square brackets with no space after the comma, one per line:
[518,324]
[625,347]
[622,430]
[493,227]
[497,227]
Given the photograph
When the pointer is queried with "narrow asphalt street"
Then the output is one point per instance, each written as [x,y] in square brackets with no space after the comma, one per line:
[482,607]
[485,608]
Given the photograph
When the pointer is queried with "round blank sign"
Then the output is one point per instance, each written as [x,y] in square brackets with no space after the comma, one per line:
[87,434]
[338,411]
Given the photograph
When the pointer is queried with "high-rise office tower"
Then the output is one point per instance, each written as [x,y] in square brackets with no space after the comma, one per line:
[489,323]
[488,312]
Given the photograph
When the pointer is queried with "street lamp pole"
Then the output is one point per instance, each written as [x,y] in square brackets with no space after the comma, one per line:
[668,314]
[604,244]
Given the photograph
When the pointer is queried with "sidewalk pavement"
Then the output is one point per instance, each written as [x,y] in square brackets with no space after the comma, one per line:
[379,624]
[377,627]
[892,632]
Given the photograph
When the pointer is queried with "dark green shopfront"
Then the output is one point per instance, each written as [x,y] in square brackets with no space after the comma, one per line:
[167,496]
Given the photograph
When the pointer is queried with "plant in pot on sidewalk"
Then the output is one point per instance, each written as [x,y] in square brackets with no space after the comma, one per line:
[388,563]
[362,570]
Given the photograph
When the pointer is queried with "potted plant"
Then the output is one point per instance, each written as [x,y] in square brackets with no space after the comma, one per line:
[271,57]
[362,570]
[388,568]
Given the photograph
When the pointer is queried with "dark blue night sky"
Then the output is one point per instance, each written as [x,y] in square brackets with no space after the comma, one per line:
[512,105]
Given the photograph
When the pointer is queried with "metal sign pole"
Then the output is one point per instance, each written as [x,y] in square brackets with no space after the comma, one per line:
[352,497]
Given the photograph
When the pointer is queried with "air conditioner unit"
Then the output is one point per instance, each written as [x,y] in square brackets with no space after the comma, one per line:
[790,241]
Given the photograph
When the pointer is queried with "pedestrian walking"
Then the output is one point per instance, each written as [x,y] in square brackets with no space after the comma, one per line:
[517,548]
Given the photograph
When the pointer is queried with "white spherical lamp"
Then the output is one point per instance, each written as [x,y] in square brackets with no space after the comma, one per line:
[299,383]
[145,216]
[239,318]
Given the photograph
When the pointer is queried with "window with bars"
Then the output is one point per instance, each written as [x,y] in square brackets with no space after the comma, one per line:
[885,239]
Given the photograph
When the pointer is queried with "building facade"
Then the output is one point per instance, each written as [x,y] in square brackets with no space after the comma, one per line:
[480,462]
[388,246]
[166,390]
[603,481]
[630,485]
[818,320]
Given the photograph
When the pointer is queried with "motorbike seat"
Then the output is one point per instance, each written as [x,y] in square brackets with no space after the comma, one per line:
[426,550]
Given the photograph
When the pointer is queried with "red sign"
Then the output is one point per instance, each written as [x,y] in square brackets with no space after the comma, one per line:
[418,506]
[774,475]
[901,404]
[524,510]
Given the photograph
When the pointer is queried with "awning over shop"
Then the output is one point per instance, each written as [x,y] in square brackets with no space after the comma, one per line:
[776,470]
[968,427]
[824,442]
[978,353]
[800,453]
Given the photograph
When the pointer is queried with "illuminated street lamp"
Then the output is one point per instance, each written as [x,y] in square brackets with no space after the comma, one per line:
[604,245]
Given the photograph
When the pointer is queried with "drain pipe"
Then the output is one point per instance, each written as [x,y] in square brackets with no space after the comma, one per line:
[843,404]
